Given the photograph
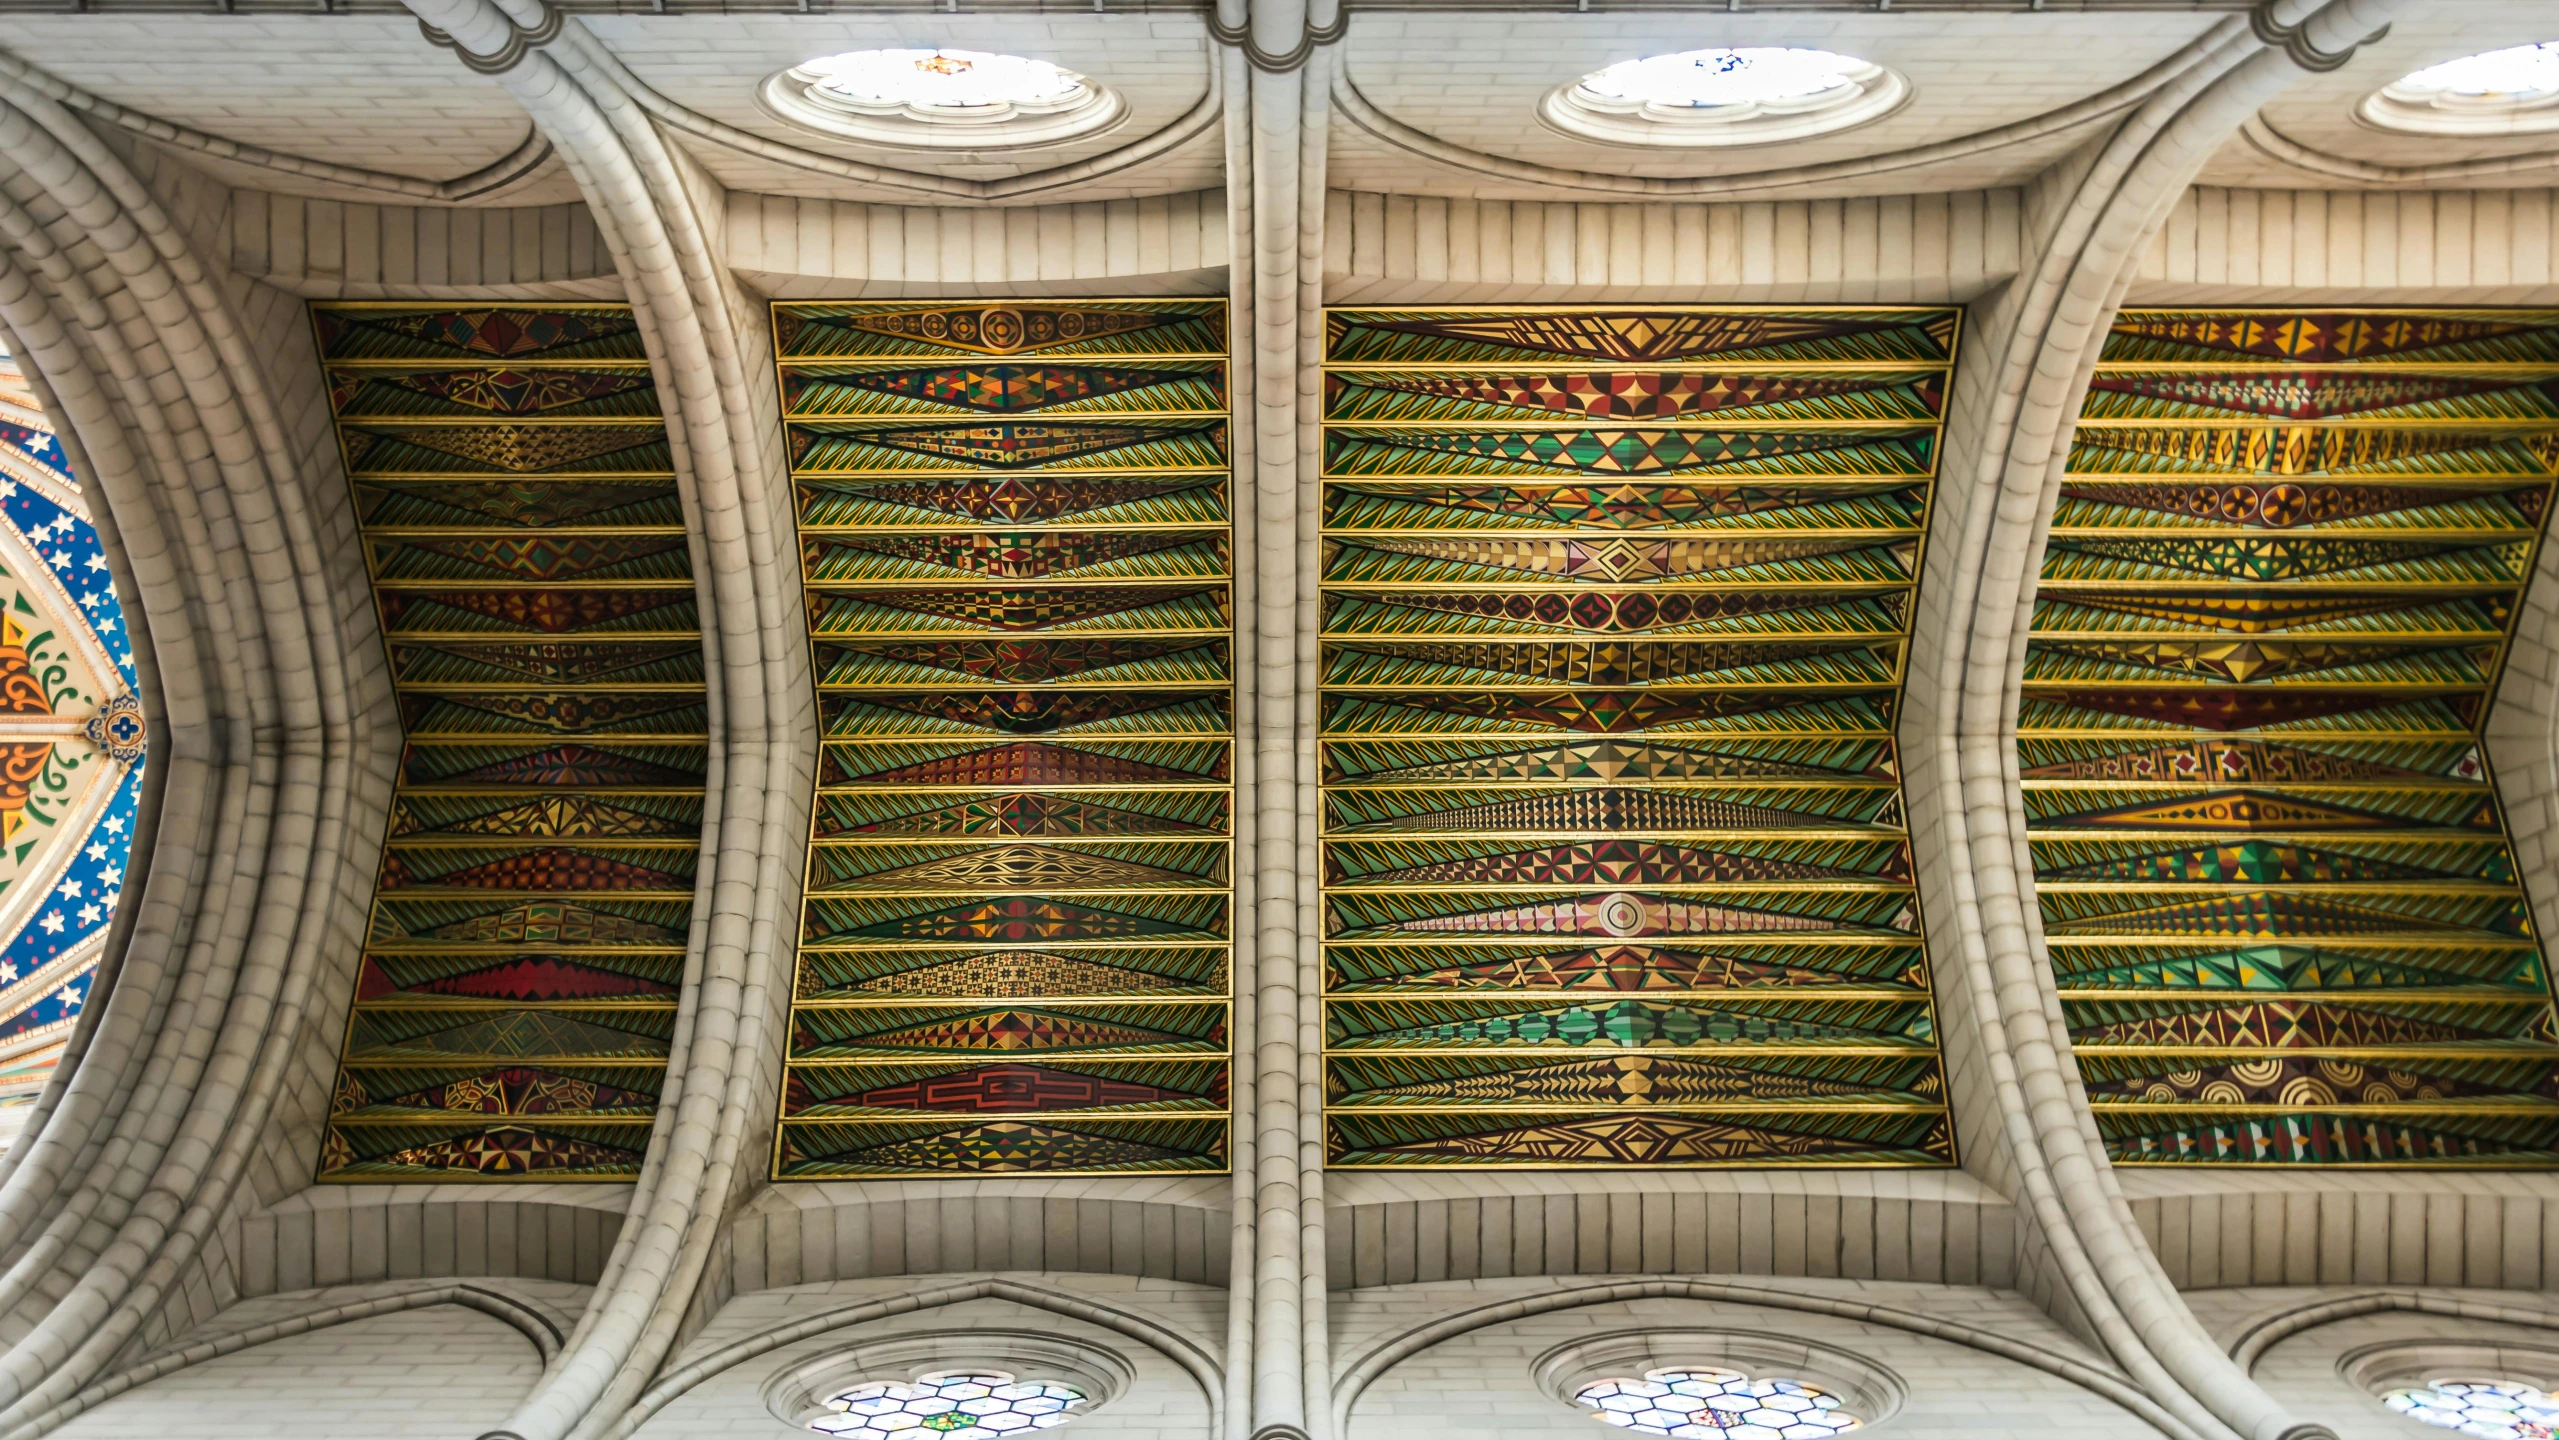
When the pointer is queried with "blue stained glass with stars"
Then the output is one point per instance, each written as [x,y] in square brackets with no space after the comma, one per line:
[82,891]
[68,544]
[81,903]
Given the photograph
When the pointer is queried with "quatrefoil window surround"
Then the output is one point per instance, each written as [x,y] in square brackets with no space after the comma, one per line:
[1758,95]
[942,99]
[2514,91]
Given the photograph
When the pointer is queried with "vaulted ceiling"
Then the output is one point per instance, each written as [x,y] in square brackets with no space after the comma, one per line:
[1996,95]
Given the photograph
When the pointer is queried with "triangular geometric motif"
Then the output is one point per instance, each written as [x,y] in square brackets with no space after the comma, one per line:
[1635,396]
[1633,336]
[1003,1089]
[508,449]
[521,1090]
[1632,1140]
[1022,446]
[502,392]
[525,978]
[510,334]
[1003,329]
[2304,396]
[2325,337]
[997,1148]
[507,1151]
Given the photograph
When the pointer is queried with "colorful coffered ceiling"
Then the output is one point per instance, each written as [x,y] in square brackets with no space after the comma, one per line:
[1615,608]
[531,565]
[71,750]
[1014,528]
[2275,881]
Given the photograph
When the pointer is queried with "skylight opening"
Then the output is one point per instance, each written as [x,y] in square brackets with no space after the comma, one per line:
[944,97]
[1748,96]
[967,86]
[2514,91]
[1700,79]
[2519,70]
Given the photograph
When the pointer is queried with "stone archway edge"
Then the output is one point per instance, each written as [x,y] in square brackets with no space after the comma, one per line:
[1177,1347]
[2251,1344]
[528,1320]
[2105,1380]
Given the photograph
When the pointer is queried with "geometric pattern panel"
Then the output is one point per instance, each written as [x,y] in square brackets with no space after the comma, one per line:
[72,751]
[1014,534]
[2275,881]
[531,566]
[1616,605]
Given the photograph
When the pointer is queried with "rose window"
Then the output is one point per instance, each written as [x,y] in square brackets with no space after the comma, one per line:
[1718,1405]
[2488,1409]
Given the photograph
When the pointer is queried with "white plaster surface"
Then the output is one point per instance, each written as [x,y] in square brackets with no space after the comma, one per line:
[1412,250]
[1475,80]
[427,1374]
[364,90]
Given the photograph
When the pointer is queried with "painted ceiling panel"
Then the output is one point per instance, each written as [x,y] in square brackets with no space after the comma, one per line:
[72,750]
[1014,535]
[1615,608]
[2274,875]
[529,559]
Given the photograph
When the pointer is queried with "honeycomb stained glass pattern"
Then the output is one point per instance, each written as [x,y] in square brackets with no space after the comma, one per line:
[2273,873]
[977,1406]
[1013,526]
[2488,1409]
[532,570]
[1717,1405]
[1615,607]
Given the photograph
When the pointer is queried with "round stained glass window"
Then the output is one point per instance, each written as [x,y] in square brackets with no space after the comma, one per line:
[941,96]
[2502,92]
[1717,1405]
[960,1405]
[1750,96]
[2488,1409]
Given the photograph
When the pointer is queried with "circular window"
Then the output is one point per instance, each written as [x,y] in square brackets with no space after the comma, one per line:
[2503,92]
[953,99]
[1717,1405]
[1753,96]
[2489,1409]
[954,1405]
